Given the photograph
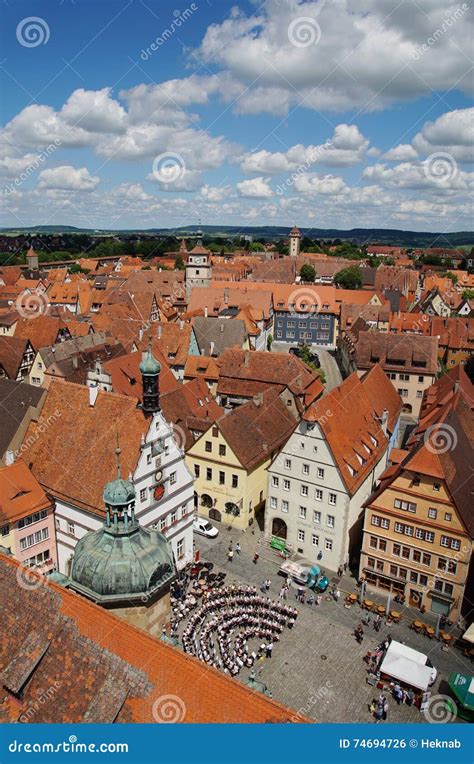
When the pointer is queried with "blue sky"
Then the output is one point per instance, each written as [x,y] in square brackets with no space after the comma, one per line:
[335,113]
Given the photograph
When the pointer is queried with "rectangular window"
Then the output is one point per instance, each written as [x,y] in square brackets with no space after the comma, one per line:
[71,529]
[301,535]
[305,469]
[315,540]
[416,555]
[180,549]
[320,473]
[331,521]
[286,485]
[285,506]
[332,498]
[406,552]
[318,494]
[393,570]
[426,559]
[444,541]
[162,524]
[235,481]
[373,542]
[273,502]
[379,565]
[275,481]
[208,473]
[397,550]
[222,449]
[174,516]
[304,490]
[328,545]
[303,513]
[143,494]
[208,446]
[382,545]
[384,523]
[172,478]
[432,513]
[288,464]
[316,517]
[6,529]
[429,537]
[197,470]
[402,572]
[448,517]
[148,458]
[423,580]
[221,478]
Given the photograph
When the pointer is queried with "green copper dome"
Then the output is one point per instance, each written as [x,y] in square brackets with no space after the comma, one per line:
[119,492]
[110,565]
[150,365]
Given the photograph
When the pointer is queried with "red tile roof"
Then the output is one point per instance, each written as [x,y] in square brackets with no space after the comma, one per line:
[60,640]
[20,493]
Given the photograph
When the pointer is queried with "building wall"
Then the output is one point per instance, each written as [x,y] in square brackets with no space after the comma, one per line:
[73,523]
[42,552]
[410,390]
[390,556]
[37,371]
[150,618]
[326,523]
[318,328]
[248,494]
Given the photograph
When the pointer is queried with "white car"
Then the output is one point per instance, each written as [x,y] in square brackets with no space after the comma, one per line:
[204,527]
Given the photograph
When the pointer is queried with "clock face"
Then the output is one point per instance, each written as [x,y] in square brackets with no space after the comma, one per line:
[198,260]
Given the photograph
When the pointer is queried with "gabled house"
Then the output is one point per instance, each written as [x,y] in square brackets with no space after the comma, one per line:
[230,459]
[327,468]
[16,358]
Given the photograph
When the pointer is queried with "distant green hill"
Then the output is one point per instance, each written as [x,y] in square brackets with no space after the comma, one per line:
[360,235]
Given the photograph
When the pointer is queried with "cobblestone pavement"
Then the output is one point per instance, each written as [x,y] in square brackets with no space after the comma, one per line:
[317,667]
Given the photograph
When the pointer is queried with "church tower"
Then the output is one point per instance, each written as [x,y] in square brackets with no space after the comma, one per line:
[150,370]
[122,566]
[295,241]
[198,265]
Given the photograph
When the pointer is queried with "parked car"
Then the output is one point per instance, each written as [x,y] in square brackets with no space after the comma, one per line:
[204,528]
[306,574]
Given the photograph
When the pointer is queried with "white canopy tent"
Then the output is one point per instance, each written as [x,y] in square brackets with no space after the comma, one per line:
[469,634]
[406,665]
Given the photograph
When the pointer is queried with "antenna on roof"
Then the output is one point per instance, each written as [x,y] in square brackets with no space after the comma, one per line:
[117,454]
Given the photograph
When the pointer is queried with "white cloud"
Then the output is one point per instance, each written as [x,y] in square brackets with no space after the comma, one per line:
[452,132]
[401,153]
[257,188]
[215,193]
[312,184]
[67,178]
[95,111]
[346,147]
[267,73]
[419,175]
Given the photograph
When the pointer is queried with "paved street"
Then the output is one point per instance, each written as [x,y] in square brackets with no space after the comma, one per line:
[327,361]
[317,667]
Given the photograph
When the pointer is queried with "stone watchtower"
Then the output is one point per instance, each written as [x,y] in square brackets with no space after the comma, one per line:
[198,266]
[295,241]
[124,567]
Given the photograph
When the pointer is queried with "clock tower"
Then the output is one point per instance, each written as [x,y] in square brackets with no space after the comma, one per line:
[198,266]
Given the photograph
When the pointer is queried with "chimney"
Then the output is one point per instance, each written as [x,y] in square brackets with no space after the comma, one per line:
[205,311]
[158,332]
[75,362]
[211,348]
[222,326]
[9,458]
[181,325]
[93,393]
[140,333]
[226,296]
[258,399]
[384,421]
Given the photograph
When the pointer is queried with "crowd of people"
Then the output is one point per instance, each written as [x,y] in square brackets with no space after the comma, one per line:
[235,626]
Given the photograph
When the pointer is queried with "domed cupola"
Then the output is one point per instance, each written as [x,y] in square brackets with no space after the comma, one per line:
[122,564]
